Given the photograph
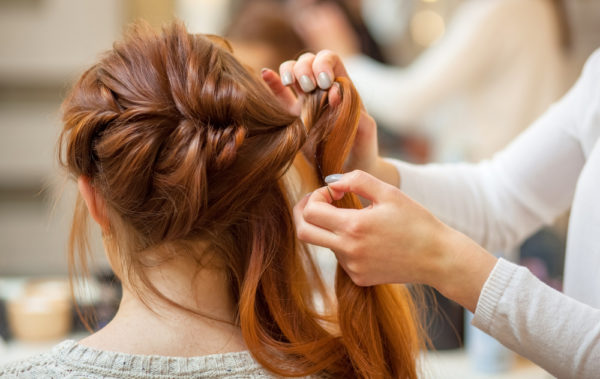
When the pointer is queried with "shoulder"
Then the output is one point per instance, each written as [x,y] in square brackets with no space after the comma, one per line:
[530,8]
[587,89]
[42,365]
[592,66]
[70,359]
[56,363]
[507,14]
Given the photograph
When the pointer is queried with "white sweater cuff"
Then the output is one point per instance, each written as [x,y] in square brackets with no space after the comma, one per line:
[491,293]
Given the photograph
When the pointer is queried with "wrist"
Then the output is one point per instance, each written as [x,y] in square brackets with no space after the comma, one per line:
[436,270]
[462,268]
[385,171]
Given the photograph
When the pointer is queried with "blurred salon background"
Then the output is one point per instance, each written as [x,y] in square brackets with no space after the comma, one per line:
[447,80]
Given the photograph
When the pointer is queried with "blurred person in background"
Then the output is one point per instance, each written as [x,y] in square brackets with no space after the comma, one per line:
[301,13]
[499,64]
[263,32]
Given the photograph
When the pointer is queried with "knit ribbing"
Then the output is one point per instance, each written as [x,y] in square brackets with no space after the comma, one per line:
[70,359]
[491,293]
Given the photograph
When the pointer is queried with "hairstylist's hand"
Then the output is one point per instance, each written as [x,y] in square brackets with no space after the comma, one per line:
[394,240]
[304,76]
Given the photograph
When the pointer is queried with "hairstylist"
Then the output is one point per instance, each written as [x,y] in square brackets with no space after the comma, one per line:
[553,165]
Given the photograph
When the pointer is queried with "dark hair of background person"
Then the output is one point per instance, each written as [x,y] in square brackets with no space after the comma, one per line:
[264,22]
[268,21]
[189,149]
[368,45]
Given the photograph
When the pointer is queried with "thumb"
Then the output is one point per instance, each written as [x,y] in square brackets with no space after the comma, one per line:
[360,183]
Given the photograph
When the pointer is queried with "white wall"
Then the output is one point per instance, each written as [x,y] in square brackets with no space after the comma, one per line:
[44,45]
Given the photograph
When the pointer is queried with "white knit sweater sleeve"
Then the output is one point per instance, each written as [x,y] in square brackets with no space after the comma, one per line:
[558,333]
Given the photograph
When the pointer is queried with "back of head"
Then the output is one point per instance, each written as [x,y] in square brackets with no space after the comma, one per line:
[167,124]
[187,149]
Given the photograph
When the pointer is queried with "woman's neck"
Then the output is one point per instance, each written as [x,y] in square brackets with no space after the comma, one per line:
[164,329]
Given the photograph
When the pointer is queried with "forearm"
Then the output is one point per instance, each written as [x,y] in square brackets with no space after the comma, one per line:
[558,333]
[500,202]
[473,199]
[462,270]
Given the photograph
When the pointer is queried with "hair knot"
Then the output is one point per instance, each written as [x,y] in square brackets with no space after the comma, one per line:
[225,142]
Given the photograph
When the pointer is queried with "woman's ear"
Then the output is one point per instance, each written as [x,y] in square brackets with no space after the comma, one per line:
[93,200]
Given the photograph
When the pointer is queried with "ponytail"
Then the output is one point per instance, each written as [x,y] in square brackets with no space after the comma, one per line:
[377,334]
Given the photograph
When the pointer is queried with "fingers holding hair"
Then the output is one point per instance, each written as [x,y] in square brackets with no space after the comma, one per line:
[310,233]
[329,64]
[312,70]
[362,184]
[303,72]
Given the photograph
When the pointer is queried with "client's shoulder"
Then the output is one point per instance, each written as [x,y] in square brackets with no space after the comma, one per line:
[70,359]
[38,366]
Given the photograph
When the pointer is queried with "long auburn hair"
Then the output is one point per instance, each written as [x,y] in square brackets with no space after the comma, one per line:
[189,148]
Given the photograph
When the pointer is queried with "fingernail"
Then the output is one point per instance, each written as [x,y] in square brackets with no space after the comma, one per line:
[262,70]
[306,84]
[287,78]
[324,80]
[333,178]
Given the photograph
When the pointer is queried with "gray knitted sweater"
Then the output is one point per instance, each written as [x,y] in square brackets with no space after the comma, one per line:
[72,360]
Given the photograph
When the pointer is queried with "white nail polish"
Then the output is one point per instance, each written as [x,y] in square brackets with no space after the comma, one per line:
[333,178]
[323,80]
[306,84]
[287,78]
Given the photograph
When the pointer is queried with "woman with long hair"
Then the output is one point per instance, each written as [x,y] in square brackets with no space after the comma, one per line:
[186,161]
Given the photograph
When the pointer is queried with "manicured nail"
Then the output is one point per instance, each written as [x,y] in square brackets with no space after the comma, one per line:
[324,80]
[306,84]
[333,178]
[287,78]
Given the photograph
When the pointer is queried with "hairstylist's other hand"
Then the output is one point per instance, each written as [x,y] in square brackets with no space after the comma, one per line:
[304,76]
[393,240]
